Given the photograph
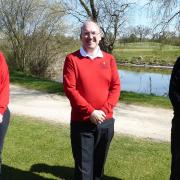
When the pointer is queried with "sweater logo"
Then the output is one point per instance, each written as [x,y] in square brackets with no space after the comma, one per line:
[104,65]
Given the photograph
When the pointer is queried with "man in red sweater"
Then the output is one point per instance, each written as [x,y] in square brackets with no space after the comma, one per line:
[4,100]
[91,82]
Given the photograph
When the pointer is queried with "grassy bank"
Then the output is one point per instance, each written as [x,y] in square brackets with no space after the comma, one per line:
[32,82]
[37,150]
[144,99]
[55,87]
[146,53]
[145,69]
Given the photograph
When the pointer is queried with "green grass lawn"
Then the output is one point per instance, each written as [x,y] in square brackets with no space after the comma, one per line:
[146,53]
[32,82]
[36,150]
[145,100]
[145,45]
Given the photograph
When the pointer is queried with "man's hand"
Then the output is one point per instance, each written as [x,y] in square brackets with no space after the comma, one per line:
[1,118]
[97,116]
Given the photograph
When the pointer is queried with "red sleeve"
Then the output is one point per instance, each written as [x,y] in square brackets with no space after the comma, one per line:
[69,82]
[114,90]
[4,84]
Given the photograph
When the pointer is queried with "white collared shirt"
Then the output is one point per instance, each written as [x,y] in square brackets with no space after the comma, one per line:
[97,53]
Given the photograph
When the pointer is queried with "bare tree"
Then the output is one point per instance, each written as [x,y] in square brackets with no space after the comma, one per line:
[30,25]
[110,15]
[141,32]
[165,12]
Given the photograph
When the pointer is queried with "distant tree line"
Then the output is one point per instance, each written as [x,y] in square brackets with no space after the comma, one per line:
[143,34]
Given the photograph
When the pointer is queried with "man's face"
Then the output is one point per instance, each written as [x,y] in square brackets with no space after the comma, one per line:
[90,36]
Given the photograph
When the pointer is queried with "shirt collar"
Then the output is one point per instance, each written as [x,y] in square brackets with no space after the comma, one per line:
[97,53]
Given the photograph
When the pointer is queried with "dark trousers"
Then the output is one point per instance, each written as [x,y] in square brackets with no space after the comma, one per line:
[90,144]
[3,130]
[175,148]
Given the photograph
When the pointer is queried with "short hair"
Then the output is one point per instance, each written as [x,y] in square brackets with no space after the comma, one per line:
[89,21]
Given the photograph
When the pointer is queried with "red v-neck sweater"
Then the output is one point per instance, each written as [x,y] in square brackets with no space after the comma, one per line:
[91,84]
[4,84]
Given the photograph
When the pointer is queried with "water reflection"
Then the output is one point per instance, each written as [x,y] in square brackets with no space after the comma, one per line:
[145,82]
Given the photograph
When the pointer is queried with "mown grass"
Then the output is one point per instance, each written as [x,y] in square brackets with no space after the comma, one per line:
[32,82]
[134,68]
[145,45]
[147,53]
[37,150]
[145,99]
[36,83]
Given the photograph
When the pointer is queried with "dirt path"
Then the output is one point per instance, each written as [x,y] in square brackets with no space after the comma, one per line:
[146,122]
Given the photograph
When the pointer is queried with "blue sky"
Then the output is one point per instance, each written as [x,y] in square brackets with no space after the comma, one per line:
[145,15]
[140,14]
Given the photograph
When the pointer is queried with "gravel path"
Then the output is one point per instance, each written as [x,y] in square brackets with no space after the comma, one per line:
[145,122]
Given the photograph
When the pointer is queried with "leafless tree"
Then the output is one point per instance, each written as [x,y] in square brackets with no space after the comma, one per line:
[165,12]
[110,15]
[141,31]
[29,26]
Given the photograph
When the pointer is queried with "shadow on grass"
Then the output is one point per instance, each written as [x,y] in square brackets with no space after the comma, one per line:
[11,173]
[65,173]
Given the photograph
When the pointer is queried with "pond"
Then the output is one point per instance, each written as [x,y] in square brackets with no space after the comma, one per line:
[145,82]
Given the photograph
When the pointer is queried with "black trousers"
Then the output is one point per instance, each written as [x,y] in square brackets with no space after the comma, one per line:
[3,129]
[90,144]
[175,148]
